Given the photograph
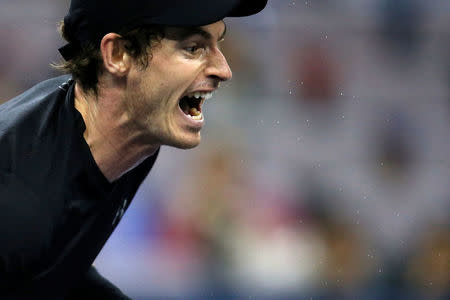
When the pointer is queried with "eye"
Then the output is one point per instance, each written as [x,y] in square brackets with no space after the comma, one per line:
[196,49]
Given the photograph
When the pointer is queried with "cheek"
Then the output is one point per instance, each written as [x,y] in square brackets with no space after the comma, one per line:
[139,101]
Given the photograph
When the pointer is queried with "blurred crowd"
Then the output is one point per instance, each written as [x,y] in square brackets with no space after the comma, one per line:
[324,167]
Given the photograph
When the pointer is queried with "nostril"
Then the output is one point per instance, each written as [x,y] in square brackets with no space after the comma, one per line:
[216,78]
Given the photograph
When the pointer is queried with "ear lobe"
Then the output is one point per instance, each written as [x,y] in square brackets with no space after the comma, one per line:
[115,59]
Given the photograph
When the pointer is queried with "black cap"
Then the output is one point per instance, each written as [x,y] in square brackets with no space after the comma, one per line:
[90,20]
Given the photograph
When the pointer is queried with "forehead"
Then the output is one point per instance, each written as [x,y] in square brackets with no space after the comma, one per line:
[215,31]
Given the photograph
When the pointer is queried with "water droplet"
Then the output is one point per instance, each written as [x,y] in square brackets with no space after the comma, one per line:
[398,214]
[381,163]
[357,211]
[343,117]
[342,94]
[326,36]
[380,270]
[290,92]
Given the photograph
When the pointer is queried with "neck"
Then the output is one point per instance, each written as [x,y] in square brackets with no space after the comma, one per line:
[115,145]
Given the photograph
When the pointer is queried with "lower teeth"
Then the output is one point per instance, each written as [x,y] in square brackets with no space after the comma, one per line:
[198,117]
[195,114]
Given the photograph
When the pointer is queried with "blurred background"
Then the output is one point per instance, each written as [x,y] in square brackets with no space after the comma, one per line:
[324,167]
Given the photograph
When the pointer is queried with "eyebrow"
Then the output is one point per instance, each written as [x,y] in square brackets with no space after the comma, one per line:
[186,32]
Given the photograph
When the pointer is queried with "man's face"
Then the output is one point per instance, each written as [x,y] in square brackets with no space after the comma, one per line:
[161,99]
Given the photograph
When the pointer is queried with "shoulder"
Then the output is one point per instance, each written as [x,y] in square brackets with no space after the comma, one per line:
[30,117]
[33,97]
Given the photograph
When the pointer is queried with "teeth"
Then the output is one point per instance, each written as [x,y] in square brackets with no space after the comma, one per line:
[198,95]
[199,117]
[194,112]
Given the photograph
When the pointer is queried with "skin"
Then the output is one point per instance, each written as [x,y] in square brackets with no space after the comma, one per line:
[136,110]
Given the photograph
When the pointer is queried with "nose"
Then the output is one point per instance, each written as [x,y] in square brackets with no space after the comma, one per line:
[218,68]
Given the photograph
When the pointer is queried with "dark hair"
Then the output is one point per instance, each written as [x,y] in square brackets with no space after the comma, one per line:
[86,66]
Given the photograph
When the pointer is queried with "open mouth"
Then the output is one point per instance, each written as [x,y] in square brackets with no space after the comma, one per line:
[191,104]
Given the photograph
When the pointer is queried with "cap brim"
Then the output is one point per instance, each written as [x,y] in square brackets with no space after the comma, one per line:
[199,13]
[248,8]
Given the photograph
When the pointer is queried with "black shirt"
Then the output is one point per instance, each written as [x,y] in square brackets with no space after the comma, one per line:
[57,209]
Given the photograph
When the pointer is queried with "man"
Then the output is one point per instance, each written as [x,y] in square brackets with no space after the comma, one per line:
[74,149]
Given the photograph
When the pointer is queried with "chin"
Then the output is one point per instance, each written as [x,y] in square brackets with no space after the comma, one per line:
[186,143]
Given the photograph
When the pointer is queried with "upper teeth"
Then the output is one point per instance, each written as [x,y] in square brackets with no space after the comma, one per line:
[197,95]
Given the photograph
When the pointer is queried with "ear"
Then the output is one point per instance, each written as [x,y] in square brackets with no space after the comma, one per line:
[115,59]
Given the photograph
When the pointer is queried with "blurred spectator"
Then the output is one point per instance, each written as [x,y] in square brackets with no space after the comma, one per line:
[428,269]
[349,273]
[316,74]
[401,24]
[393,146]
